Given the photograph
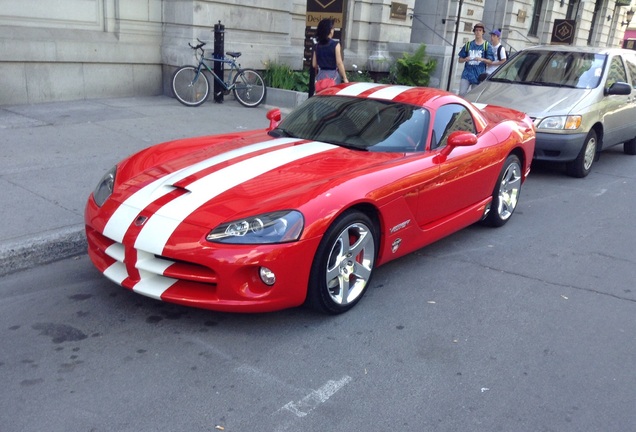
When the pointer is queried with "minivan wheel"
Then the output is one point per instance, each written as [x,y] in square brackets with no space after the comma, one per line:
[582,165]
[629,147]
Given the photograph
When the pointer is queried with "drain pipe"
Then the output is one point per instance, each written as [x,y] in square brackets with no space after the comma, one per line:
[453,59]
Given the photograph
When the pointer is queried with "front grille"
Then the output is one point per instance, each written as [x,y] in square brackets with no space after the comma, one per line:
[147,264]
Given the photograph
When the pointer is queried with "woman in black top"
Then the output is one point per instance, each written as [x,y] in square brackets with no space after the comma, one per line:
[327,57]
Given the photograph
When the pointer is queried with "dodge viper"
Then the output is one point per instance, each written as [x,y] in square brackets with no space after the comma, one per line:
[302,212]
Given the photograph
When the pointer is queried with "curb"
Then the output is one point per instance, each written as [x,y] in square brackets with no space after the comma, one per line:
[26,253]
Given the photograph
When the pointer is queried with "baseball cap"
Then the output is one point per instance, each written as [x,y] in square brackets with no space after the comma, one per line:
[496,33]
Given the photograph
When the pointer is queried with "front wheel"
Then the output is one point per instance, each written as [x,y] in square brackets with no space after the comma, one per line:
[343,264]
[582,165]
[190,86]
[249,88]
[505,196]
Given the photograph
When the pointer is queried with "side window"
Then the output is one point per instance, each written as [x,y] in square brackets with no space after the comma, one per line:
[450,118]
[631,65]
[616,72]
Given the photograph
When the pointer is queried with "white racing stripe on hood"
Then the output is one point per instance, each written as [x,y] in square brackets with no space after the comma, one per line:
[356,89]
[155,233]
[126,213]
[389,93]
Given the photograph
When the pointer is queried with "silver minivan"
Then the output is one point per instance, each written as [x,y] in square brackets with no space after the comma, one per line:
[582,100]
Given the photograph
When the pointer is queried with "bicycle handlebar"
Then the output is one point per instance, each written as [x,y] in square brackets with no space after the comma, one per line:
[200,45]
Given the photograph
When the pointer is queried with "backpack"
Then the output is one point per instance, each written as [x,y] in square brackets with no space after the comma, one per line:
[467,47]
[499,52]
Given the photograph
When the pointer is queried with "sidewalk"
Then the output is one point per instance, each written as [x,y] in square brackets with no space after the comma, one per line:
[53,154]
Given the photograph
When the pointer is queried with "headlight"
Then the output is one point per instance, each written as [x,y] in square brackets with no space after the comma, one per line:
[561,123]
[276,227]
[105,187]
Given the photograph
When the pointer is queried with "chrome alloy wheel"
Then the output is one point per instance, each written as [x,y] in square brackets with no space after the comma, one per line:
[350,264]
[509,189]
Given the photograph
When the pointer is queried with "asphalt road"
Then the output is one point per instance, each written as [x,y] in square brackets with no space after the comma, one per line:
[529,327]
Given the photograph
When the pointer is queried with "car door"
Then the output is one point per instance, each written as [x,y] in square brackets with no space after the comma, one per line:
[618,110]
[460,183]
[630,62]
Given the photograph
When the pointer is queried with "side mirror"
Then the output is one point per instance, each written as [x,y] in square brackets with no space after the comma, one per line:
[274,116]
[619,88]
[482,77]
[457,139]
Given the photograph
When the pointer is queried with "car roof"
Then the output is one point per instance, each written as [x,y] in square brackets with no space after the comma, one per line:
[579,49]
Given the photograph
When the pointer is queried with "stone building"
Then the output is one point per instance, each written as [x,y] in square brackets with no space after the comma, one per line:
[77,49]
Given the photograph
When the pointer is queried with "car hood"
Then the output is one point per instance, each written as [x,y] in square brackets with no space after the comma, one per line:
[536,101]
[233,179]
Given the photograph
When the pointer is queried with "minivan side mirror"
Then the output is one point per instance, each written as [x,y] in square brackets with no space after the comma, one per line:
[618,88]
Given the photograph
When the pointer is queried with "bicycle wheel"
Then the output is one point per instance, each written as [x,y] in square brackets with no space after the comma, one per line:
[249,88]
[190,87]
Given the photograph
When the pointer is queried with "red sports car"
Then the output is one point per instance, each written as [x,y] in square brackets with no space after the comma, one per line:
[303,211]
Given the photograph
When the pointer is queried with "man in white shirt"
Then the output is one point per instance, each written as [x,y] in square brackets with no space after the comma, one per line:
[498,50]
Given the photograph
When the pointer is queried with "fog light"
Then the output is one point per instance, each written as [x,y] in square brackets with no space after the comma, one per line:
[267,276]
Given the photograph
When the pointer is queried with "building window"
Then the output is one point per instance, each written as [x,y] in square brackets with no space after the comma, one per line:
[536,17]
[597,14]
[573,9]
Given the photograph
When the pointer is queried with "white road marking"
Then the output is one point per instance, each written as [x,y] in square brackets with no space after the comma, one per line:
[310,402]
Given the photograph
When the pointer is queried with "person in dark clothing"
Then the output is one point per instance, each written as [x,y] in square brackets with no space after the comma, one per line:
[327,57]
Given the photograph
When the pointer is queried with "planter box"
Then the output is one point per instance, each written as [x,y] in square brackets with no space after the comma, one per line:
[280,98]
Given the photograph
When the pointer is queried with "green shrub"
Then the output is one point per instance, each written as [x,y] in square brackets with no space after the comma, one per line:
[413,69]
[283,77]
[357,75]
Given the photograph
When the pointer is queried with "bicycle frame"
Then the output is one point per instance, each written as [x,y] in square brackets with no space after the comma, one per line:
[234,69]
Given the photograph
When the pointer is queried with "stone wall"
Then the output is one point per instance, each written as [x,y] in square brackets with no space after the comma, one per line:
[76,49]
[79,49]
[83,49]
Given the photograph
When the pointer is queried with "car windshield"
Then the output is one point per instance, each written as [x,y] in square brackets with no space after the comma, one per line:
[553,68]
[357,123]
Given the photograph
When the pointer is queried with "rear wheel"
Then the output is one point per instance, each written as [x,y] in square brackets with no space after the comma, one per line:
[343,264]
[505,196]
[190,86]
[249,88]
[629,147]
[582,165]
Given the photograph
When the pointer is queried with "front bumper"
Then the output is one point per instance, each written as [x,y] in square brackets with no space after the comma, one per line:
[558,147]
[197,273]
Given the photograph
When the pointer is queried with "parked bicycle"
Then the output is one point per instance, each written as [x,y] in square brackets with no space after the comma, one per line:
[192,87]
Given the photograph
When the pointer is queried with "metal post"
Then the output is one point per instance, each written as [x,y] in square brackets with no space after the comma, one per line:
[219,50]
[453,59]
[312,71]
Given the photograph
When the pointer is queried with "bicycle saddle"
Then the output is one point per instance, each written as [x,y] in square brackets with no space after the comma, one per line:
[234,54]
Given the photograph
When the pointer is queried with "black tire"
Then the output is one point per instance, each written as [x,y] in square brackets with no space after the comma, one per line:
[343,264]
[505,195]
[190,87]
[249,88]
[582,165]
[629,147]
